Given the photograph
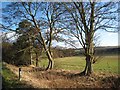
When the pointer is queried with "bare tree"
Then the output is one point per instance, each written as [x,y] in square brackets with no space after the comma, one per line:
[52,24]
[45,18]
[85,18]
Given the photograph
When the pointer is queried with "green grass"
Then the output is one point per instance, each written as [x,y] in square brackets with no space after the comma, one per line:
[43,62]
[106,64]
[70,63]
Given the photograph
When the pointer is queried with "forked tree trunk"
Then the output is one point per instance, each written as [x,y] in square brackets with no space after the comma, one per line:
[89,53]
[50,64]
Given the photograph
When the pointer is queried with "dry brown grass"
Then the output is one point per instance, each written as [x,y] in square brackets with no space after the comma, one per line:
[66,79]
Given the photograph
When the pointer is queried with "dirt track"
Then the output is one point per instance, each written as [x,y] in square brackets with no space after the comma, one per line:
[65,79]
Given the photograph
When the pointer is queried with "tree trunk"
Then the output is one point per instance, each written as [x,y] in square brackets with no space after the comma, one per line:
[31,57]
[36,59]
[84,72]
[88,67]
[50,64]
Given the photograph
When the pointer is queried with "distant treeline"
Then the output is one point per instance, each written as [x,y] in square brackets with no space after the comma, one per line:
[59,53]
[107,50]
[11,54]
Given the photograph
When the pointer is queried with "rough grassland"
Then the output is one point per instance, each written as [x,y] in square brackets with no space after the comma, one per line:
[105,64]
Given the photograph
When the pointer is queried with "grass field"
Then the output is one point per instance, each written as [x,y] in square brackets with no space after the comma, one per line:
[105,64]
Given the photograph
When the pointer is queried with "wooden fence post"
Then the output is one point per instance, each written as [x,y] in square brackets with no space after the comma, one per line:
[19,73]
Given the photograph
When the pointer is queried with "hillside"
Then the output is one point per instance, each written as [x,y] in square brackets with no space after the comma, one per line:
[104,50]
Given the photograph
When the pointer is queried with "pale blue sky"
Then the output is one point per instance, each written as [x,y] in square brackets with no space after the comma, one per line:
[106,38]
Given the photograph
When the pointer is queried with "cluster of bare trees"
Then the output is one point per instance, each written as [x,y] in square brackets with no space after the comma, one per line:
[50,21]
